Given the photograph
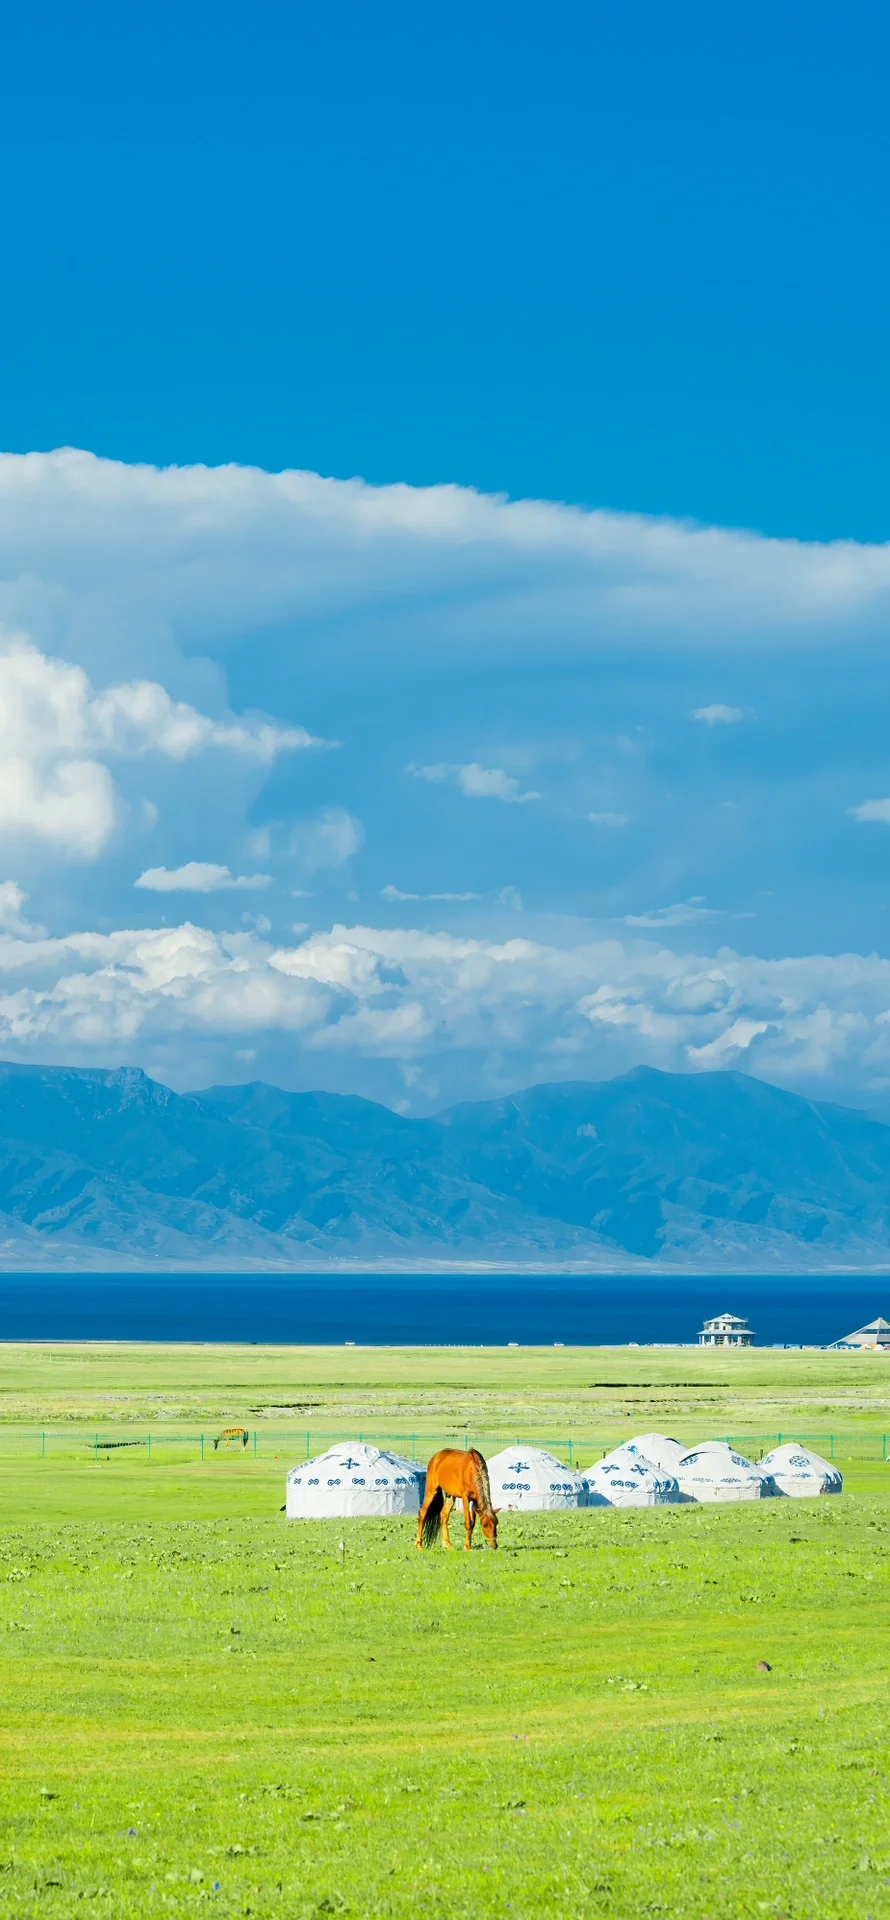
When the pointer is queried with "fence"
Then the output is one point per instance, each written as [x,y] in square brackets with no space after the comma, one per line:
[578,1450]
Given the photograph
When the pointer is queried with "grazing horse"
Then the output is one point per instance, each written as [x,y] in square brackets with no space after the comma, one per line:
[453,1475]
[231,1433]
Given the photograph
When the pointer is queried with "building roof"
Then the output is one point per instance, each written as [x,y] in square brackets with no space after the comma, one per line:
[726,1319]
[877,1332]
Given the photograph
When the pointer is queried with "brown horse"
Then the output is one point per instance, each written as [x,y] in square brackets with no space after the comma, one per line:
[453,1475]
[229,1434]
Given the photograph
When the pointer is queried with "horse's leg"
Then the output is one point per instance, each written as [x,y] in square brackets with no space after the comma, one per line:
[447,1510]
[469,1520]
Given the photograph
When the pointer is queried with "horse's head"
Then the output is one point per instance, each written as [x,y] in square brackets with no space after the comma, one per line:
[489,1524]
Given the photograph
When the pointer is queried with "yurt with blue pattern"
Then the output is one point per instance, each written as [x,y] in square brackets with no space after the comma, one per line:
[354,1481]
[799,1473]
[625,1478]
[714,1471]
[530,1480]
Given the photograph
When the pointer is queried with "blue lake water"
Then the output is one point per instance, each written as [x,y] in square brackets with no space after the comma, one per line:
[460,1309]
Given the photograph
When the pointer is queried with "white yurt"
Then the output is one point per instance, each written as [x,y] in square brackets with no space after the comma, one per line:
[657,1449]
[529,1480]
[714,1471]
[797,1472]
[354,1480]
[625,1479]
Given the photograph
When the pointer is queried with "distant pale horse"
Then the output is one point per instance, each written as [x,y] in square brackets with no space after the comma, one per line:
[454,1475]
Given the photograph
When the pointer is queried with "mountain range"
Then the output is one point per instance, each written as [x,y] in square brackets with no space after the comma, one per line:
[683,1171]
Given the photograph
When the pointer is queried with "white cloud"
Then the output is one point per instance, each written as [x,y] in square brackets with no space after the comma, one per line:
[478,782]
[610,819]
[236,552]
[55,730]
[396,894]
[136,586]
[491,783]
[735,1040]
[516,1010]
[327,841]
[685,913]
[718,715]
[198,876]
[142,718]
[872,810]
[12,919]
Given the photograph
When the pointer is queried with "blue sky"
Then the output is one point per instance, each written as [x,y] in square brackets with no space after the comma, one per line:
[630,257]
[512,757]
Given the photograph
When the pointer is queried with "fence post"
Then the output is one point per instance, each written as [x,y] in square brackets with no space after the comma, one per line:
[307,1446]
[414,1446]
[780,1439]
[43,1446]
[571,1460]
[202,1446]
[831,1455]
[466,1441]
[254,1443]
[95,1446]
[148,1440]
[884,1438]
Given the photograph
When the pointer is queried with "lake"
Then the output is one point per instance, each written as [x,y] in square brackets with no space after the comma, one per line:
[456,1309]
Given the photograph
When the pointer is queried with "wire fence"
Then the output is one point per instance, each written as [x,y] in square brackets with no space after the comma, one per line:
[259,1443]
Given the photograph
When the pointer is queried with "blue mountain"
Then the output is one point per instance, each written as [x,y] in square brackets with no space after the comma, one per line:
[714,1170]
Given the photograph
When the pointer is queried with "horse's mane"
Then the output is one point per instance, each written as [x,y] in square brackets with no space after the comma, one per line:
[482,1482]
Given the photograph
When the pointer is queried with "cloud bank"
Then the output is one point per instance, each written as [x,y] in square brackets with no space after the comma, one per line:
[424,1002]
[178,647]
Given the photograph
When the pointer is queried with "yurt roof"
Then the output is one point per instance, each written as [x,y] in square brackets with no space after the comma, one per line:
[629,1454]
[535,1461]
[355,1455]
[658,1448]
[628,1462]
[792,1456]
[717,1451]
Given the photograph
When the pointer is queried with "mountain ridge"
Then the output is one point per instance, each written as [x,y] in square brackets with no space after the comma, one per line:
[683,1172]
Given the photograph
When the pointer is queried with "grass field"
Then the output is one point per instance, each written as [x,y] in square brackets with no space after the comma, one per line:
[203,1707]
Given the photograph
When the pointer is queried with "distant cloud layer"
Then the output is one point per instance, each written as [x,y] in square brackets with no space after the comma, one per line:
[428,1002]
[499,751]
[198,876]
[479,783]
[719,716]
[878,810]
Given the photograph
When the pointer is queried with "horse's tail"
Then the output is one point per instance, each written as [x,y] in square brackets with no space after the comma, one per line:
[432,1518]
[483,1501]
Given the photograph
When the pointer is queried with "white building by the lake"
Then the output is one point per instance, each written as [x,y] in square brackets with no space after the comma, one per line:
[726,1330]
[875,1336]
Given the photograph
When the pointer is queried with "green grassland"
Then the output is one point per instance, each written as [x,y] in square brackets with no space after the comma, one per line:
[532,1389]
[204,1708]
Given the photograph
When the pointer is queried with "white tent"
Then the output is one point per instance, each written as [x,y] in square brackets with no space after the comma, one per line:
[528,1480]
[657,1449]
[352,1480]
[625,1479]
[714,1471]
[795,1471]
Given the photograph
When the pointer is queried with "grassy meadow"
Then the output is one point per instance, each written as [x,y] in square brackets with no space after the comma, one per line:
[203,1707]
